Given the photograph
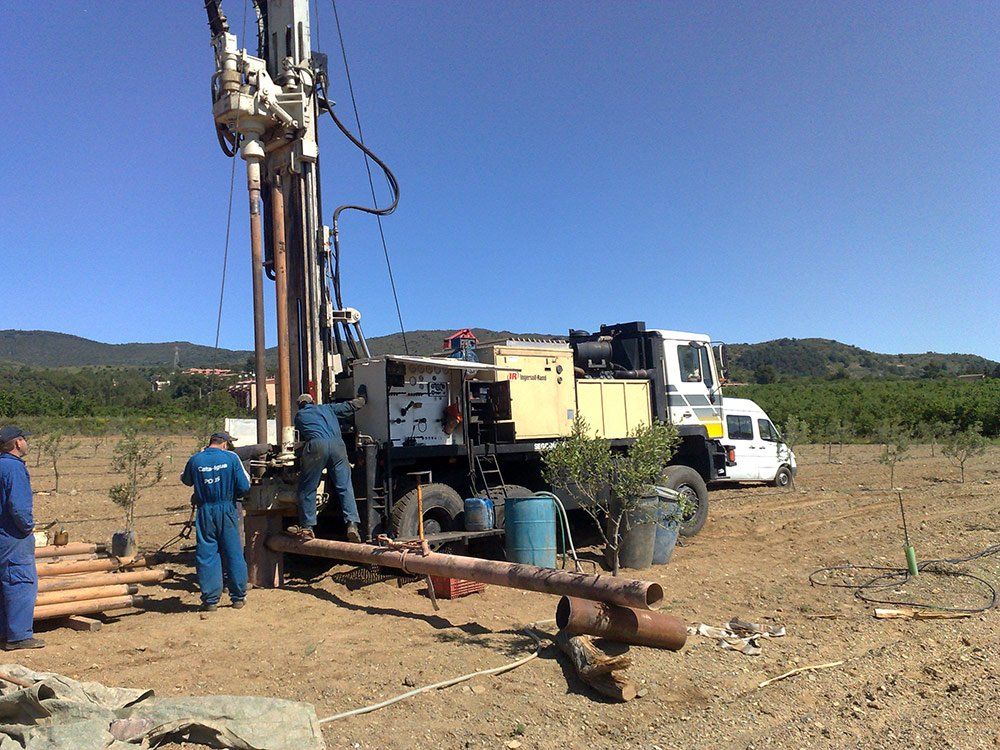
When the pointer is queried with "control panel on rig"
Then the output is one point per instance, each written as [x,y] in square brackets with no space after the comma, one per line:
[410,404]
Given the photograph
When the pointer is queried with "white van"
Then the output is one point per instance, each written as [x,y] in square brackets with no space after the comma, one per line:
[755,445]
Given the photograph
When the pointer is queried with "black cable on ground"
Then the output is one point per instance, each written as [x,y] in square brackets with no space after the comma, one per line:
[892,578]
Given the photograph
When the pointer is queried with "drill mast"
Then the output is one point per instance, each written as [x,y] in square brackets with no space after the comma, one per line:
[267,106]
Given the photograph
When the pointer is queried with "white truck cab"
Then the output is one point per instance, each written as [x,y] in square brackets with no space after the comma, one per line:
[759,452]
[692,381]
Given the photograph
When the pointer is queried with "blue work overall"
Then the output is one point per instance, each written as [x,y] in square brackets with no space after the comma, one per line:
[324,448]
[218,479]
[18,577]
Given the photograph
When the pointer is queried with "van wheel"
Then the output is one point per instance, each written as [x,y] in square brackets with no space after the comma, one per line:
[783,478]
[689,483]
[443,509]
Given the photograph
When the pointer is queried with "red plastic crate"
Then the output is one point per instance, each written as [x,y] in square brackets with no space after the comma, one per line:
[452,588]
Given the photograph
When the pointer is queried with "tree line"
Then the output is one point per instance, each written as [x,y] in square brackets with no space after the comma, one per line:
[846,410]
[92,399]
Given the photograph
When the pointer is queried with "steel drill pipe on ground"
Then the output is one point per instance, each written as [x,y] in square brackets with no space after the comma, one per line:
[67,583]
[78,548]
[83,594]
[88,607]
[87,566]
[622,591]
[624,624]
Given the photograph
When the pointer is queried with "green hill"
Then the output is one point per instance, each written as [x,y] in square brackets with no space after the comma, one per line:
[787,357]
[51,349]
[825,358]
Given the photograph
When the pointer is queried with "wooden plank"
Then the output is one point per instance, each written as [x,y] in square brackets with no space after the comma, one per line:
[80,622]
[603,673]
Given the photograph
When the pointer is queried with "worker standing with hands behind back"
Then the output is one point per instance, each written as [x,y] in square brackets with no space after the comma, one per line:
[18,575]
[219,479]
[319,427]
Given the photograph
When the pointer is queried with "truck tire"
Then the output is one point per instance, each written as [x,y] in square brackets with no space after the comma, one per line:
[686,480]
[443,509]
[783,478]
[497,496]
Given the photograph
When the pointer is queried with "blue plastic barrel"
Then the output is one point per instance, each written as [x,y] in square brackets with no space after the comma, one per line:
[530,528]
[479,514]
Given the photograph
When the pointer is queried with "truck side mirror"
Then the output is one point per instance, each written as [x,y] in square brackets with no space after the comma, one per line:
[722,359]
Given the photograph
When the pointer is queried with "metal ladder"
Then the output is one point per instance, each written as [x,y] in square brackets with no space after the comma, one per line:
[487,467]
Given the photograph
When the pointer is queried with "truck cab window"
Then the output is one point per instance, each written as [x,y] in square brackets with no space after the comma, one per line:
[767,431]
[739,427]
[690,363]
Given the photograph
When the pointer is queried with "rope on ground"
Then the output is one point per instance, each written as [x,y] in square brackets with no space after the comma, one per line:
[529,630]
[892,578]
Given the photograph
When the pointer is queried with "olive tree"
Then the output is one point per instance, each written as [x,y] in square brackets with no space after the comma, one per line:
[963,445]
[610,485]
[135,458]
[794,432]
[895,440]
[56,446]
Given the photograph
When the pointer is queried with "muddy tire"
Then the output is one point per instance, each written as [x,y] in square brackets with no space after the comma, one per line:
[783,478]
[689,482]
[443,511]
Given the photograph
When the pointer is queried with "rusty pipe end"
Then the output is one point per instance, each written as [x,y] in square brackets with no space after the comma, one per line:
[563,610]
[654,595]
[622,624]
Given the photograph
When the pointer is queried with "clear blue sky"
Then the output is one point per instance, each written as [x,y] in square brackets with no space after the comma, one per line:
[752,170]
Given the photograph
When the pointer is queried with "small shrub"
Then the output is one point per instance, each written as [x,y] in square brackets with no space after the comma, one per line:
[136,459]
[963,445]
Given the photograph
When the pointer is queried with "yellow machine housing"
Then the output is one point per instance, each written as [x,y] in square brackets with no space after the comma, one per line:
[540,395]
[614,408]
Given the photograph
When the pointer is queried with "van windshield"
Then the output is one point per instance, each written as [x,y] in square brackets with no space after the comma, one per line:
[767,431]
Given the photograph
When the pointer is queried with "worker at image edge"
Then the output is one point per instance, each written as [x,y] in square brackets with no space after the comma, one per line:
[18,575]
[319,427]
[219,480]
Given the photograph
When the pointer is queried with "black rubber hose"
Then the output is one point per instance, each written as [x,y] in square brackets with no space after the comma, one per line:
[374,211]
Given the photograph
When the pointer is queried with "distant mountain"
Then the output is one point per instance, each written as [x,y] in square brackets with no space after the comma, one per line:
[787,357]
[826,357]
[51,349]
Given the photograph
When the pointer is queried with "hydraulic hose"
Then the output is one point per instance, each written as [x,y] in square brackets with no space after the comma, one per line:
[324,103]
[564,518]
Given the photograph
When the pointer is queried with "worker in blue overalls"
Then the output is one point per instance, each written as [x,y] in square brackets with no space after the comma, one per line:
[219,479]
[319,428]
[18,576]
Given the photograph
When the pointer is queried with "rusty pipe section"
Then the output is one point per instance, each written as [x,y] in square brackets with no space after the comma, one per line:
[620,623]
[283,383]
[253,153]
[621,591]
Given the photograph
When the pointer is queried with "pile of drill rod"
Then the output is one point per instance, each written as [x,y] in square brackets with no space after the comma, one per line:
[83,579]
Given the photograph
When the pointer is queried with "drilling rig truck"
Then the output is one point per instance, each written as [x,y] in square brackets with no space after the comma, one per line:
[455,428]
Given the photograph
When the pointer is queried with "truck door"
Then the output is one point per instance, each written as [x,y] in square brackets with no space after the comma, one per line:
[740,431]
[695,398]
[768,448]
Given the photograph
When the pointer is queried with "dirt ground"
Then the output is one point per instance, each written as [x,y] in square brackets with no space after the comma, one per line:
[903,683]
